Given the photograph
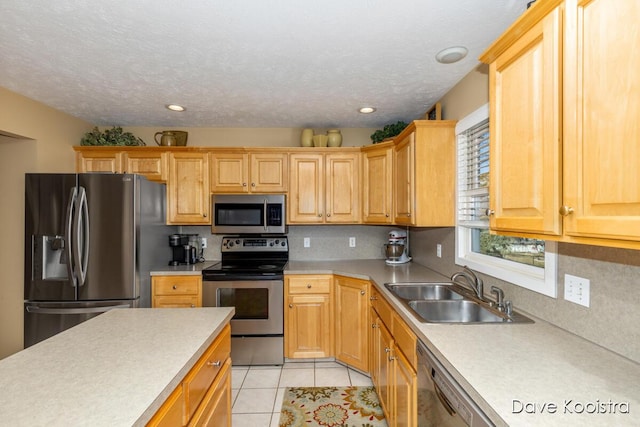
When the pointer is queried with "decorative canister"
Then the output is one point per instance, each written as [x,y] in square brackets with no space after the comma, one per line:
[335,138]
[320,140]
[306,139]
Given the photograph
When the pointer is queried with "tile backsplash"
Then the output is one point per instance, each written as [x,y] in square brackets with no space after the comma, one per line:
[614,314]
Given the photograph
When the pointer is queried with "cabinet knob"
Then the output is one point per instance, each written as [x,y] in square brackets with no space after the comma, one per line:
[387,215]
[362,292]
[373,325]
[392,358]
[387,349]
[193,306]
[319,215]
[308,285]
[174,287]
[409,214]
[253,184]
[244,184]
[566,210]
[489,212]
[214,364]
[328,215]
[204,215]
[290,305]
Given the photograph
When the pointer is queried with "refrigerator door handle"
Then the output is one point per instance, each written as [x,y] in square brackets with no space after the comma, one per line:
[68,235]
[81,244]
[86,310]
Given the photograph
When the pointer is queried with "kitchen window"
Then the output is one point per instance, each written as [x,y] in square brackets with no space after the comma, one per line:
[529,263]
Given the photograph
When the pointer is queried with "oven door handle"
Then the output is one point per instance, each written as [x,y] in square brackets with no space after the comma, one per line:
[265,215]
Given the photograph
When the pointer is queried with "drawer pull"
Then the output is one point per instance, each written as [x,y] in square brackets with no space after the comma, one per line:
[214,364]
[308,285]
[175,287]
[373,298]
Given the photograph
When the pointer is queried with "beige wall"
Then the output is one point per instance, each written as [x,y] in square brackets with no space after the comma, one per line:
[250,137]
[45,147]
[613,318]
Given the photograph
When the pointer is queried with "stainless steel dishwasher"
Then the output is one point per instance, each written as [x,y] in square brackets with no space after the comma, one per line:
[441,400]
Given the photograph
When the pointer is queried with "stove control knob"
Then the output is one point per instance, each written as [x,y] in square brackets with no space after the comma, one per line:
[277,242]
[230,244]
[237,242]
[283,244]
[270,243]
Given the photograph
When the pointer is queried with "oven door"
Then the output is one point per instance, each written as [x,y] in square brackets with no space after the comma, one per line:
[259,304]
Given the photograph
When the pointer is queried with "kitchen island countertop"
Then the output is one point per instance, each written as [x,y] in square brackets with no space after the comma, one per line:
[113,370]
[515,372]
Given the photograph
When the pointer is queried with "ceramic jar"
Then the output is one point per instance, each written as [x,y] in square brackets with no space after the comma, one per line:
[320,140]
[335,138]
[306,139]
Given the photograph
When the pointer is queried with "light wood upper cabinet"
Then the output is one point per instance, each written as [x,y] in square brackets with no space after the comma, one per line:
[352,321]
[377,183]
[324,188]
[424,174]
[255,172]
[92,160]
[152,165]
[188,196]
[601,111]
[525,123]
[565,153]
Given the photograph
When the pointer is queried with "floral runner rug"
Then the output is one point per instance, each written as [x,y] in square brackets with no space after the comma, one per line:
[331,407]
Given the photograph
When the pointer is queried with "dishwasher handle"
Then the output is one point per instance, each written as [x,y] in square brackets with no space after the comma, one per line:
[443,399]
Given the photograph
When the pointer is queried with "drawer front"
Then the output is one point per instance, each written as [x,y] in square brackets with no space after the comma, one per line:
[176,285]
[171,412]
[215,409]
[199,379]
[176,301]
[309,285]
[405,340]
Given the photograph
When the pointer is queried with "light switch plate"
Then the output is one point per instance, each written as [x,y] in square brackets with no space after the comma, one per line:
[577,289]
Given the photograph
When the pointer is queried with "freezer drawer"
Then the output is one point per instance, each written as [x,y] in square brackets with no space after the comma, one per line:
[43,320]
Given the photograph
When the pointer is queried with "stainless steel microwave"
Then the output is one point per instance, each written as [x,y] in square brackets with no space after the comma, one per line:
[248,214]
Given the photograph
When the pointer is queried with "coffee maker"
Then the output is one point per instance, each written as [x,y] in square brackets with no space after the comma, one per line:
[184,248]
[397,250]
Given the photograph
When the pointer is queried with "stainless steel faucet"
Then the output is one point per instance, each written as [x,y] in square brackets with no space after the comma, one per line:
[499,293]
[473,281]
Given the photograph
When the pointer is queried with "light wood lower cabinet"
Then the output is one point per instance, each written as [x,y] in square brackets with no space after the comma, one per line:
[204,396]
[176,291]
[352,321]
[308,323]
[393,363]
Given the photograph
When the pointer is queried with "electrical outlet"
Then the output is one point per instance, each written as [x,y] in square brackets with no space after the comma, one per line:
[576,289]
[439,250]
[203,242]
[307,242]
[352,242]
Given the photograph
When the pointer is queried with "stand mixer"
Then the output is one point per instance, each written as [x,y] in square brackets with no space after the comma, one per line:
[397,249]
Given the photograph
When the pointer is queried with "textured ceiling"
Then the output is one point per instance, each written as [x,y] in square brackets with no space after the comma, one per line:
[244,63]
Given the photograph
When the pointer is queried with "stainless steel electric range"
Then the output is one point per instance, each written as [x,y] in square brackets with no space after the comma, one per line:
[250,278]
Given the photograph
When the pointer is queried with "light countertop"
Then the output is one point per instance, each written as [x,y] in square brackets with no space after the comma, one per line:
[511,370]
[113,370]
[181,270]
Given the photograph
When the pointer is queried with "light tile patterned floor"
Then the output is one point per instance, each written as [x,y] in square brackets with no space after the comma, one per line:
[258,390]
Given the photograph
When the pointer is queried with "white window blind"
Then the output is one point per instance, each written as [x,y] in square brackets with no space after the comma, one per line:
[473,176]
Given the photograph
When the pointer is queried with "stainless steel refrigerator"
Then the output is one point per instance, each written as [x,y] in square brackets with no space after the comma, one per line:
[90,243]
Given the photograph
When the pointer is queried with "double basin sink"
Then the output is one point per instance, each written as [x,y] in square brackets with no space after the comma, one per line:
[449,303]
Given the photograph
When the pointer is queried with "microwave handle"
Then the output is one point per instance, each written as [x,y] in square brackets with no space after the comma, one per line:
[264,219]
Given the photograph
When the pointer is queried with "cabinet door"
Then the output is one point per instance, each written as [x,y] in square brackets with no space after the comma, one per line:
[525,122]
[377,184]
[269,172]
[306,188]
[229,172]
[188,200]
[352,321]
[97,161]
[342,200]
[405,391]
[385,374]
[215,409]
[150,164]
[602,100]
[308,326]
[403,180]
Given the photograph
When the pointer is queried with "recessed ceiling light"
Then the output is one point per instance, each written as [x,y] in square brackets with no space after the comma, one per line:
[451,54]
[367,110]
[175,107]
